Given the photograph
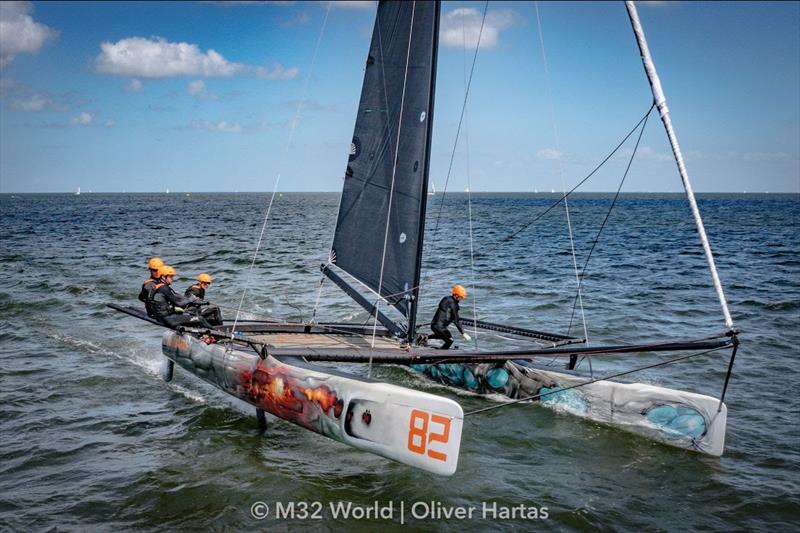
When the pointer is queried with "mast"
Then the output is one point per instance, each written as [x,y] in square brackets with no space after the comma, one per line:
[412,315]
[661,103]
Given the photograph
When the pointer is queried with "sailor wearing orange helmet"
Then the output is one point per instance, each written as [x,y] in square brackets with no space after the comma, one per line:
[168,306]
[198,290]
[447,314]
[146,294]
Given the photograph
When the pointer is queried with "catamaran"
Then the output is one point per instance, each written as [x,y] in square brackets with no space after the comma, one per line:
[376,259]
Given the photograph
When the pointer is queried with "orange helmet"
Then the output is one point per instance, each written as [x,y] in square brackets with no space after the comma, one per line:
[155,263]
[204,278]
[165,270]
[459,291]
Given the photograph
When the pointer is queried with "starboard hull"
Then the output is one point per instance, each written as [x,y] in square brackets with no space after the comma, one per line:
[673,417]
[412,427]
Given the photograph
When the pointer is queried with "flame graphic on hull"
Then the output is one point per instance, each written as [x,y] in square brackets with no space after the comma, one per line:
[274,389]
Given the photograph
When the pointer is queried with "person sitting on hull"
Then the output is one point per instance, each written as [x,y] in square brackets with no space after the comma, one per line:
[447,314]
[149,285]
[168,305]
[198,290]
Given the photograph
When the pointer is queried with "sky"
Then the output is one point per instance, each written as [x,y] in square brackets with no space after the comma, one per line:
[202,96]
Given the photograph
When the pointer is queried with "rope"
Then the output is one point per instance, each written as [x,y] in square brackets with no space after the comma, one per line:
[391,187]
[277,180]
[561,170]
[591,381]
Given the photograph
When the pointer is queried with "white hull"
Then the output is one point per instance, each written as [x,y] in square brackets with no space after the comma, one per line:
[677,418]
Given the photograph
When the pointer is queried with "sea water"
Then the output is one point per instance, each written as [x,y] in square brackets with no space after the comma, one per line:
[93,438]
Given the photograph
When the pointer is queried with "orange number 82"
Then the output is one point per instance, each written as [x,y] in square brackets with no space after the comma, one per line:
[419,438]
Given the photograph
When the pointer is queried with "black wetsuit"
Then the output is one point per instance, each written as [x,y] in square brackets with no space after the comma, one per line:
[211,312]
[196,290]
[164,302]
[146,295]
[446,314]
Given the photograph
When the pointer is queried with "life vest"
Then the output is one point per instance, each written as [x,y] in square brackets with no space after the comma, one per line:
[146,294]
[159,303]
[195,290]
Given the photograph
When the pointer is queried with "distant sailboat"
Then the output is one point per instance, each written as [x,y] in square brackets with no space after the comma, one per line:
[167,192]
[432,191]
[78,193]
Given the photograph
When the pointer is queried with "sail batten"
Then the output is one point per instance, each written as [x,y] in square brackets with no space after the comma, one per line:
[378,237]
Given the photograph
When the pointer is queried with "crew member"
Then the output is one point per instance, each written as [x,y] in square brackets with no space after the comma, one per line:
[447,314]
[198,290]
[145,295]
[168,306]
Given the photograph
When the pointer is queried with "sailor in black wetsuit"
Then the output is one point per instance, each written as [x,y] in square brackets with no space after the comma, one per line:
[149,285]
[166,302]
[447,314]
[198,290]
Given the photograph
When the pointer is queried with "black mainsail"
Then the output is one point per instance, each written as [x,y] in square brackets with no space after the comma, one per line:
[381,221]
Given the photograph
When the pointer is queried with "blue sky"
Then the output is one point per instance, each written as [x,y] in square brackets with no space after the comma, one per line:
[200,96]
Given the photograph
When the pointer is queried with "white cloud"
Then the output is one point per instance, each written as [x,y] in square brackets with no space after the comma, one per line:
[462,26]
[133,86]
[159,58]
[221,126]
[82,119]
[549,154]
[197,88]
[19,33]
[33,102]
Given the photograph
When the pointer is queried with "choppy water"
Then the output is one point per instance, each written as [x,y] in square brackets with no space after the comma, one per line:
[92,438]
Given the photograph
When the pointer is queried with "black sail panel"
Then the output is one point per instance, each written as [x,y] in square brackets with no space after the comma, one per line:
[381,216]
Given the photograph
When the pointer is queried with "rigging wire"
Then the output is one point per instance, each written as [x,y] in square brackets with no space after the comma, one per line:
[608,214]
[458,133]
[331,258]
[552,206]
[593,380]
[561,173]
[469,181]
[293,128]
[391,187]
[525,226]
